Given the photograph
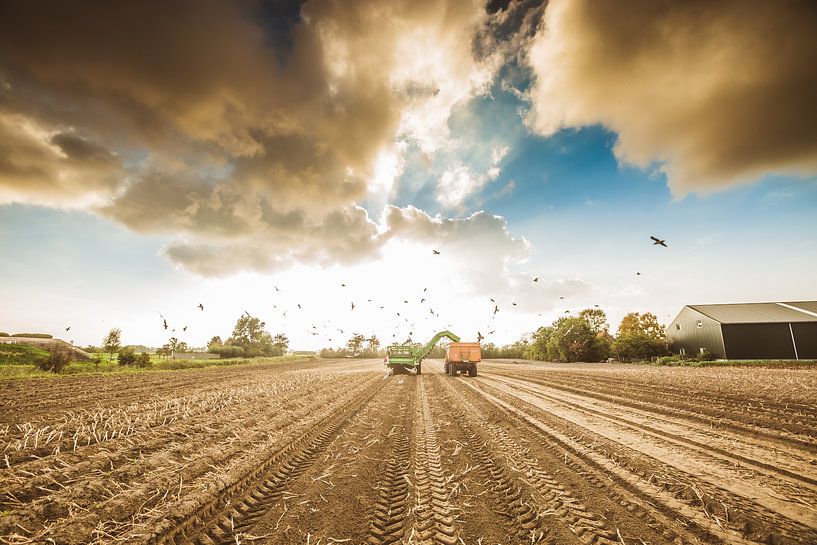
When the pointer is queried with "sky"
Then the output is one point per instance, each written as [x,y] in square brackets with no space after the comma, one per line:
[256,156]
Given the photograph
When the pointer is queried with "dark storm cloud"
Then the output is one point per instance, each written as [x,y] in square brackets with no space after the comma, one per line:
[717,92]
[247,131]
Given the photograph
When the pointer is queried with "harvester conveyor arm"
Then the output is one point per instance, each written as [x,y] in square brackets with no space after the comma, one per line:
[423,352]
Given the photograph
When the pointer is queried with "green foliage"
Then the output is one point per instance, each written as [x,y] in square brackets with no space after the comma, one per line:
[112,342]
[595,318]
[250,335]
[55,362]
[574,339]
[516,350]
[640,338]
[4,334]
[214,342]
[21,354]
[538,346]
[228,351]
[128,356]
[706,355]
[34,335]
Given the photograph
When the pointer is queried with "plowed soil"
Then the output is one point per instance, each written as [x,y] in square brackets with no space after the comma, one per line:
[337,451]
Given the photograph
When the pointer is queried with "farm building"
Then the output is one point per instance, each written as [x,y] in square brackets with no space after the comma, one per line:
[747,331]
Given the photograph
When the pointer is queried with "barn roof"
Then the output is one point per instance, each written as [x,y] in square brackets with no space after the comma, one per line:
[760,313]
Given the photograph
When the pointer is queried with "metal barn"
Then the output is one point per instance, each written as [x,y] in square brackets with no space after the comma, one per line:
[747,331]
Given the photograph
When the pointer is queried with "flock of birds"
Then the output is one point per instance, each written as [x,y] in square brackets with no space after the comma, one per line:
[325,327]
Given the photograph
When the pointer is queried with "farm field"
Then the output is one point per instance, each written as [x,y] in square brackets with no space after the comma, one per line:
[335,451]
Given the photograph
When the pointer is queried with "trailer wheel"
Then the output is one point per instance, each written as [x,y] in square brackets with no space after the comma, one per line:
[472,371]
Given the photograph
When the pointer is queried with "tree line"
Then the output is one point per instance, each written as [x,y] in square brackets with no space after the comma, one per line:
[586,337]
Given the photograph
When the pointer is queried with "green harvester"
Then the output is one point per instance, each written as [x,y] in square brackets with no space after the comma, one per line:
[402,358]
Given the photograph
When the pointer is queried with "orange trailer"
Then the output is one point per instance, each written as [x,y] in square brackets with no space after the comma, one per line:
[461,358]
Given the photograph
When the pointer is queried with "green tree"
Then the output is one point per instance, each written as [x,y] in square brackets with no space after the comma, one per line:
[215,341]
[538,347]
[596,318]
[640,337]
[250,335]
[172,345]
[112,342]
[574,339]
[127,356]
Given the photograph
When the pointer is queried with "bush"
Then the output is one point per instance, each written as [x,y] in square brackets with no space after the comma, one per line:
[34,335]
[143,360]
[670,360]
[706,355]
[127,356]
[228,351]
[4,334]
[55,362]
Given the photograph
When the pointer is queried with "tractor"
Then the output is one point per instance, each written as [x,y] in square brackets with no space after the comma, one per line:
[402,358]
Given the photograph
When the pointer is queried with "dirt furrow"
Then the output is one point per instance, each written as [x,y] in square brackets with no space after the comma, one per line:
[225,519]
[785,464]
[778,429]
[717,514]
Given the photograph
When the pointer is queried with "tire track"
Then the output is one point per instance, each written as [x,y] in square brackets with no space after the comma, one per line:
[550,498]
[434,522]
[223,520]
[508,489]
[387,522]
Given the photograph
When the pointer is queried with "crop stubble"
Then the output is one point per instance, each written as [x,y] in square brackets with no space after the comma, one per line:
[337,452]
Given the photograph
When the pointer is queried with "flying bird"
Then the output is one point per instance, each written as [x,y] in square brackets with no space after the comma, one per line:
[201,306]
[68,328]
[492,332]
[492,300]
[425,290]
[248,314]
[435,252]
[423,300]
[431,310]
[496,309]
[405,301]
[561,297]
[164,322]
[343,285]
[479,337]
[514,303]
[536,279]
[276,288]
[353,306]
[638,274]
[658,242]
[299,305]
